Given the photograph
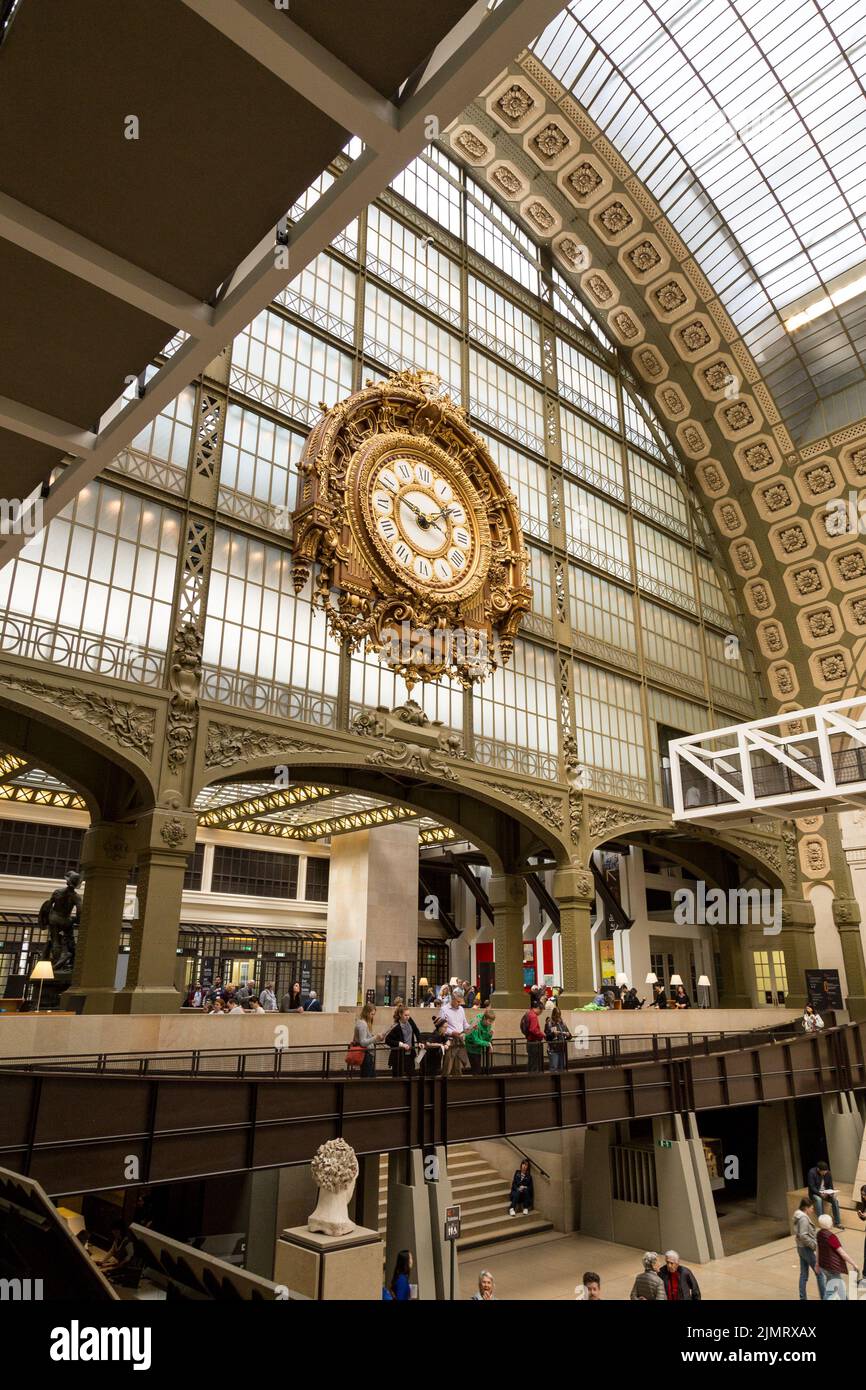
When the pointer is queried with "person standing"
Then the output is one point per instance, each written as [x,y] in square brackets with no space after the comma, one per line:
[861,1214]
[399,1289]
[530,1027]
[648,1287]
[268,999]
[436,1045]
[806,1242]
[364,1037]
[478,1041]
[292,1003]
[486,1288]
[557,1034]
[680,1284]
[812,1020]
[819,1181]
[456,1059]
[402,1041]
[591,1287]
[314,1004]
[522,1190]
[833,1260]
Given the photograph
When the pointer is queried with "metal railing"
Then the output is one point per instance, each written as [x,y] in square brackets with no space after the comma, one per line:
[504,1056]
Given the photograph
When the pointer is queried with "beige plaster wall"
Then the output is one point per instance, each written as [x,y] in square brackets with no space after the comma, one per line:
[24,1035]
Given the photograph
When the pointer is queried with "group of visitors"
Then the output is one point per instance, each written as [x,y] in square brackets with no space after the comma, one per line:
[679,998]
[455,1043]
[818,1247]
[665,1279]
[247,998]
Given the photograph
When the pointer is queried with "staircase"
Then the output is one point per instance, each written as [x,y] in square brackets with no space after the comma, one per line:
[483,1198]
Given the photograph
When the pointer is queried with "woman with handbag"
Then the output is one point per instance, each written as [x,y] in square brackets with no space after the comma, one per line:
[362,1052]
[403,1039]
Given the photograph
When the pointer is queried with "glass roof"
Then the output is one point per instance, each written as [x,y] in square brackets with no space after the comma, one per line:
[746,119]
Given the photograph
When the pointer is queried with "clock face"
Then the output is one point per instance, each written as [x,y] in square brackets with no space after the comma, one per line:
[425,520]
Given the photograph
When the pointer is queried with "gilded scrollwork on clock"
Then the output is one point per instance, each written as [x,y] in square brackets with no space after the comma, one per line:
[411,533]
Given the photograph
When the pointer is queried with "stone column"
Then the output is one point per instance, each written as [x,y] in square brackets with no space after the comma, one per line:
[736,992]
[687,1216]
[797,940]
[166,840]
[507,894]
[846,915]
[106,859]
[778,1159]
[372,910]
[575,893]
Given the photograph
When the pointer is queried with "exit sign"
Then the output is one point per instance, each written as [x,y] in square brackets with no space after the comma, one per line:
[665,1143]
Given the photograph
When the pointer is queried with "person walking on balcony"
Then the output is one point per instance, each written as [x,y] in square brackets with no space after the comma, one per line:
[557,1034]
[522,1190]
[806,1242]
[819,1181]
[402,1040]
[530,1027]
[478,1041]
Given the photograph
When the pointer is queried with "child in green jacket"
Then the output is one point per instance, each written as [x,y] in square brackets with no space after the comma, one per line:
[477,1041]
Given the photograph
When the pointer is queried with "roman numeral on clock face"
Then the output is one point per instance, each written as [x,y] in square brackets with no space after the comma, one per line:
[388,529]
[457,558]
[403,471]
[423,474]
[461,536]
[403,553]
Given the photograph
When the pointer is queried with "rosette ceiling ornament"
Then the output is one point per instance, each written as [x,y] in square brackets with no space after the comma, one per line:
[411,533]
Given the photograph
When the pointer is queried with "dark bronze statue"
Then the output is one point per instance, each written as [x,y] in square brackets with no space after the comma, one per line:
[61,914]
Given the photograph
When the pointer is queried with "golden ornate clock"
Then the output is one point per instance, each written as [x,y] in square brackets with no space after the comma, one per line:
[414,532]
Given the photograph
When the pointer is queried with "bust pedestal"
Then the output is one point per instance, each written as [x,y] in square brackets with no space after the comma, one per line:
[331,1268]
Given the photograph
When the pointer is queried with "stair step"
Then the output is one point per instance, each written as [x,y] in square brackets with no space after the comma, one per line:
[505,1230]
[478,1187]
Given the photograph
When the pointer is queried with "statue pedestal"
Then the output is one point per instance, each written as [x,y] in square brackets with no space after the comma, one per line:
[331,1268]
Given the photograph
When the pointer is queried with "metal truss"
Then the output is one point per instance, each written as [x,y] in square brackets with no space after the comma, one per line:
[264,805]
[336,825]
[468,58]
[42,796]
[11,765]
[787,764]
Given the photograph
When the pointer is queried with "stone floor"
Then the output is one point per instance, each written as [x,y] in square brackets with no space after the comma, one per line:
[551,1265]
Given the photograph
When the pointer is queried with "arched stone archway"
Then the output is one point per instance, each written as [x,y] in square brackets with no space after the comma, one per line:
[100,745]
[495,810]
